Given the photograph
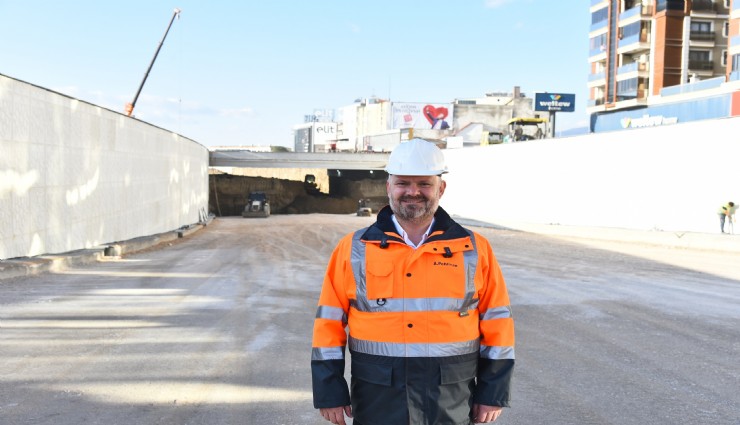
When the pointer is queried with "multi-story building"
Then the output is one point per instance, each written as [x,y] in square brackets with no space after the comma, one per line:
[656,62]
[374,124]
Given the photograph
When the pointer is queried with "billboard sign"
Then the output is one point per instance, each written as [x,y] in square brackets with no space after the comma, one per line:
[324,133]
[436,116]
[554,102]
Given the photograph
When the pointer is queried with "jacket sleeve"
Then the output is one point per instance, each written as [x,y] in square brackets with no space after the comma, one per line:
[329,335]
[496,363]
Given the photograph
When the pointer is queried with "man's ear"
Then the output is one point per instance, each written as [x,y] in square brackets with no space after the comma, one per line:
[442,186]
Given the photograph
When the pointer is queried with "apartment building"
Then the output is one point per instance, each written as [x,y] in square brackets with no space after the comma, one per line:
[659,62]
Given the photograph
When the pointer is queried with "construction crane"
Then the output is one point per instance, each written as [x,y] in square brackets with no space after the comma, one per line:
[130,106]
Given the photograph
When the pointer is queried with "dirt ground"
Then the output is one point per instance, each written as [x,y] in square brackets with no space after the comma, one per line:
[216,329]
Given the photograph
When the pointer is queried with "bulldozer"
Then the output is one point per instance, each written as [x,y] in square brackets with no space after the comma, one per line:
[257,205]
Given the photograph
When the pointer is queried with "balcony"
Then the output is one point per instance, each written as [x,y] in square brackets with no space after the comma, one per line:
[602,25]
[597,80]
[633,43]
[637,94]
[711,83]
[701,65]
[702,36]
[637,11]
[592,54]
[632,67]
[703,6]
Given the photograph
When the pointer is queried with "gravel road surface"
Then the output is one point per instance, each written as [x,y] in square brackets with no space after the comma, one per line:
[216,329]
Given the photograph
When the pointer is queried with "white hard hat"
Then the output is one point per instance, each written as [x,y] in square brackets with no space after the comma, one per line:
[417,157]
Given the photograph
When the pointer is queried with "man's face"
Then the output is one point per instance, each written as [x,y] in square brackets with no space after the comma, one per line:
[414,198]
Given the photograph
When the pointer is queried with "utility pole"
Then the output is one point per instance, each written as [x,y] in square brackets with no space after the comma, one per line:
[130,106]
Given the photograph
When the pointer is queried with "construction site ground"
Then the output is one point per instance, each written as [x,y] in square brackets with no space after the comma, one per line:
[213,326]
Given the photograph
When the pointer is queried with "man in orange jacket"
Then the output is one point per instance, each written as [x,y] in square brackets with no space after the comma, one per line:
[431,334]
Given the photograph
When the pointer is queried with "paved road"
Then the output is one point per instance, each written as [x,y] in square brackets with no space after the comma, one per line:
[215,329]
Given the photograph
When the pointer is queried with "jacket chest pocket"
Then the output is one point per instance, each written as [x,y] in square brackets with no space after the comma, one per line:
[379,280]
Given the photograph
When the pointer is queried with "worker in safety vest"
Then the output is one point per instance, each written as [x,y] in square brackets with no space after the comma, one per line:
[431,334]
[726,212]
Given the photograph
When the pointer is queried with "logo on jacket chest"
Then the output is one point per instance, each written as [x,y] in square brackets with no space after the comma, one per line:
[444,264]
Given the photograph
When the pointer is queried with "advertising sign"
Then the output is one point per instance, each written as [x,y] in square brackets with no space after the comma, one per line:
[324,133]
[437,116]
[552,102]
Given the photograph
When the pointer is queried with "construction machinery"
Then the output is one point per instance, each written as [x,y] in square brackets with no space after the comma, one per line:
[257,205]
[129,108]
[526,128]
[369,206]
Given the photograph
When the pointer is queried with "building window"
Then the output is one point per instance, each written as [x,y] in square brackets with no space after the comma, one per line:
[600,15]
[662,5]
[631,29]
[701,26]
[727,4]
[700,55]
[598,43]
[627,89]
[724,58]
[700,60]
[726,29]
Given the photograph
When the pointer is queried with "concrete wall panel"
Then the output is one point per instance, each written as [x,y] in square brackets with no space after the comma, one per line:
[74,175]
[670,178]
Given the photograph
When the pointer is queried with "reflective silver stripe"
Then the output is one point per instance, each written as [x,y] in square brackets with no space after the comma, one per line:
[330,353]
[397,305]
[414,350]
[469,302]
[470,259]
[331,313]
[357,260]
[497,353]
[497,313]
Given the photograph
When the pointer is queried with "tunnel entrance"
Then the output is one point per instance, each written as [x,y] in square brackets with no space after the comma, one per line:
[287,195]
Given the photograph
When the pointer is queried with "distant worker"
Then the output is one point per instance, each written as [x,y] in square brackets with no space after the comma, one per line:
[431,334]
[518,133]
[726,212]
[538,134]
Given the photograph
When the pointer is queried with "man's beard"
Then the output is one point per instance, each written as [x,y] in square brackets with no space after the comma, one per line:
[413,212]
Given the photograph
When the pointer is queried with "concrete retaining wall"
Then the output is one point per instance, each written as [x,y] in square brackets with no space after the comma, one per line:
[75,176]
[671,178]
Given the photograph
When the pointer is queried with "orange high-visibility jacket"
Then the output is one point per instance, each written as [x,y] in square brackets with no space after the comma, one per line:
[430,329]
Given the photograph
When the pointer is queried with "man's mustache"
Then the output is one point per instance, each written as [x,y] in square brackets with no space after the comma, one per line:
[407,198]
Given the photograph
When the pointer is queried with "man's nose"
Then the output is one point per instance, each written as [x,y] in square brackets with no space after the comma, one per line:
[413,189]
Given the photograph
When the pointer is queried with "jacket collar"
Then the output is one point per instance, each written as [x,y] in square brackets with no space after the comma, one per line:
[384,229]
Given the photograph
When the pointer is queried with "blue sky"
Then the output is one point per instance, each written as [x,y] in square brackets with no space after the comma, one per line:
[245,72]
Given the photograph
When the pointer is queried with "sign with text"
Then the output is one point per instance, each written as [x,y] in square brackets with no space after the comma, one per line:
[554,102]
[437,116]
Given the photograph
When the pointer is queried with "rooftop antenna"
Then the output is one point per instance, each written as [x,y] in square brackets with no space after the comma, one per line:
[130,106]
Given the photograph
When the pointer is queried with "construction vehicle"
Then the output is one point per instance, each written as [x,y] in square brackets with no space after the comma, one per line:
[129,108]
[309,184]
[257,205]
[369,206]
[526,128]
